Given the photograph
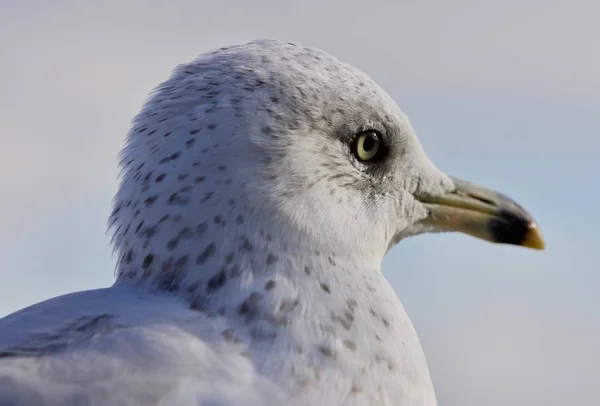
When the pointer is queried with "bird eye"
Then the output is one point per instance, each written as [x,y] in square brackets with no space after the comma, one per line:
[366,146]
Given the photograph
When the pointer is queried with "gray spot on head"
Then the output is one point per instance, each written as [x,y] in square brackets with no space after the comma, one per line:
[150,200]
[201,229]
[269,285]
[250,306]
[350,344]
[198,303]
[207,196]
[207,253]
[148,232]
[245,245]
[172,243]
[166,265]
[147,261]
[168,281]
[178,199]
[345,320]
[235,271]
[287,305]
[327,352]
[271,259]
[137,230]
[181,263]
[186,233]
[217,281]
[229,258]
[129,256]
[229,336]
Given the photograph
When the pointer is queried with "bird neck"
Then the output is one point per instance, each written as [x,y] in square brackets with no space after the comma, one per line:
[216,265]
[341,318]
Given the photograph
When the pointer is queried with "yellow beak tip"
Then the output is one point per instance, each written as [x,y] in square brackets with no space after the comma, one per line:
[533,239]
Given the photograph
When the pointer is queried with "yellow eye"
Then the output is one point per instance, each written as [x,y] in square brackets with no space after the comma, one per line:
[366,146]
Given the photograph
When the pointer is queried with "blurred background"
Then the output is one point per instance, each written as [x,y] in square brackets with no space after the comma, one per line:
[506,94]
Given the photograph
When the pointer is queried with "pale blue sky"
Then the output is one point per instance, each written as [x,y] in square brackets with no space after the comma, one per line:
[506,94]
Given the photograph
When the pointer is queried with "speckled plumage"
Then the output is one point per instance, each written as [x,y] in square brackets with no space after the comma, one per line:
[249,244]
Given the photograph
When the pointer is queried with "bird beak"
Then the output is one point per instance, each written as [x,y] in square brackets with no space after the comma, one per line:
[482,213]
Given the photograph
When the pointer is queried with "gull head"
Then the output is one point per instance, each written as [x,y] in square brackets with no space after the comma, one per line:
[286,141]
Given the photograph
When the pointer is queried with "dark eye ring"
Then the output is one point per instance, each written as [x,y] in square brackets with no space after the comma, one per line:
[367,147]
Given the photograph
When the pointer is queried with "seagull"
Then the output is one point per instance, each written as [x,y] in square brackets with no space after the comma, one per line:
[261,186]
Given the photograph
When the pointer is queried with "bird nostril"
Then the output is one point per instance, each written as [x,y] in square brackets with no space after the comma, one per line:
[483,200]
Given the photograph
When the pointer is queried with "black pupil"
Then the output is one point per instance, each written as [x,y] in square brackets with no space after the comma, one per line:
[370,142]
